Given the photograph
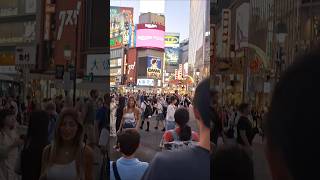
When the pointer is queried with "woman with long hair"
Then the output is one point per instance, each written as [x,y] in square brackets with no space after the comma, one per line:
[130,116]
[119,112]
[183,130]
[67,157]
[9,143]
[37,139]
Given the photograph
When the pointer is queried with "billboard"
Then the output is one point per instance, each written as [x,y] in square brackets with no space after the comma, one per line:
[121,26]
[242,26]
[154,67]
[150,36]
[172,40]
[145,82]
[171,55]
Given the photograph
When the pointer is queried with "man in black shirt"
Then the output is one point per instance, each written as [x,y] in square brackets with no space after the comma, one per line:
[244,127]
[193,163]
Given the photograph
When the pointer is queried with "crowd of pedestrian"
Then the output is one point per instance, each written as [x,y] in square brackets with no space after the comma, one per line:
[52,139]
[289,126]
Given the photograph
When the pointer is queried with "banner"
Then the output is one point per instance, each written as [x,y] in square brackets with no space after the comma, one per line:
[121,22]
[154,67]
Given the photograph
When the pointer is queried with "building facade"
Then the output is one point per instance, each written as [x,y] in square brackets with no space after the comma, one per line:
[19,37]
[198,28]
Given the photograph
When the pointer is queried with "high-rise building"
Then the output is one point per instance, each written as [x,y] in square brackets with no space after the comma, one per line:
[19,30]
[199,27]
[150,43]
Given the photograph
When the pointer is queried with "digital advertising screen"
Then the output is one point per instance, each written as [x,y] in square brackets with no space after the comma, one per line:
[153,67]
[150,36]
[171,55]
[121,26]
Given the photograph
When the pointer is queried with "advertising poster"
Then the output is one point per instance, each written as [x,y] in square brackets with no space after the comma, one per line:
[171,55]
[153,67]
[150,36]
[172,40]
[121,22]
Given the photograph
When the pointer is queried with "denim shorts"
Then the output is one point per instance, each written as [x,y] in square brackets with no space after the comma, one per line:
[170,125]
[129,125]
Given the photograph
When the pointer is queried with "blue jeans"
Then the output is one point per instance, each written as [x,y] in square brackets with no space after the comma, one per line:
[170,125]
[129,125]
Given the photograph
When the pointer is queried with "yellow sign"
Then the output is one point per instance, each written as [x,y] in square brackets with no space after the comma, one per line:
[7,58]
[171,40]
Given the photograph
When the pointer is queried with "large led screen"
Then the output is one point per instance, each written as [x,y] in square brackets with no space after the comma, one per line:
[150,38]
[121,26]
[171,55]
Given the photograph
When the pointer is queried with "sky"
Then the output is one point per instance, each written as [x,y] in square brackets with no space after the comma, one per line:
[177,14]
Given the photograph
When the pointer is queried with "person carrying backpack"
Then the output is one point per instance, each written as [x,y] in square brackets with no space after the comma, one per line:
[181,137]
[147,112]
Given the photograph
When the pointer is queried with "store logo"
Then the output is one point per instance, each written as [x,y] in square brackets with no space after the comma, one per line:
[150,26]
[131,67]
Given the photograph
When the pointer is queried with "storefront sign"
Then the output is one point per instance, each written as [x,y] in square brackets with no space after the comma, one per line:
[26,55]
[172,40]
[226,20]
[8,69]
[153,67]
[98,64]
[145,82]
[7,58]
[68,18]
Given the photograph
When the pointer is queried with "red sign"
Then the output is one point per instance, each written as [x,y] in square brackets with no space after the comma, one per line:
[151,26]
[131,65]
[68,15]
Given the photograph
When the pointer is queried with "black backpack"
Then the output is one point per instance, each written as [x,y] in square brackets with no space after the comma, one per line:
[148,111]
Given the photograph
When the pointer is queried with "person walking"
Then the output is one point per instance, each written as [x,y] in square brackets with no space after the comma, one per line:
[113,109]
[9,143]
[67,157]
[130,118]
[146,108]
[170,123]
[119,112]
[36,140]
[159,113]
[192,163]
[245,132]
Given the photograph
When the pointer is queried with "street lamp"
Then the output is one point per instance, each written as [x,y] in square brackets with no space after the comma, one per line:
[281,34]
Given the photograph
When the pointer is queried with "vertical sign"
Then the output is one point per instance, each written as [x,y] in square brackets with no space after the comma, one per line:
[176,74]
[226,28]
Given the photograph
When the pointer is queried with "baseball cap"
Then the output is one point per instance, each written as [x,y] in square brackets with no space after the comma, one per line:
[203,100]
